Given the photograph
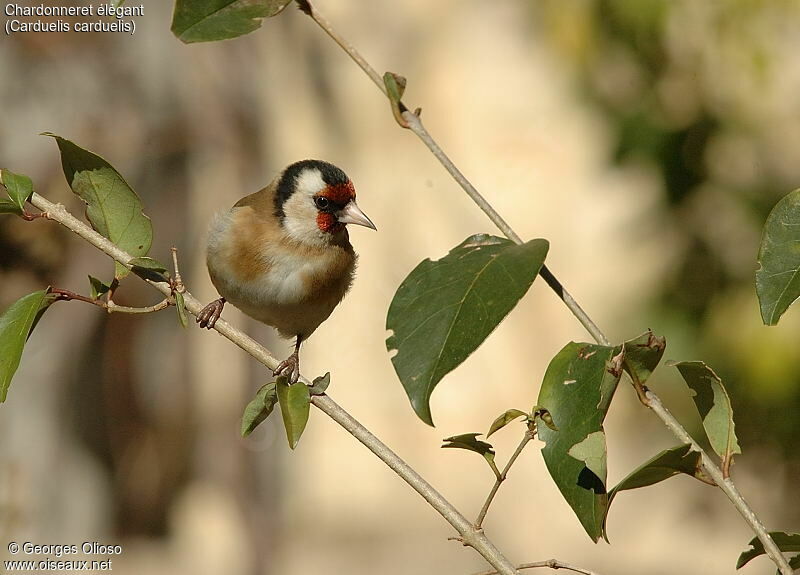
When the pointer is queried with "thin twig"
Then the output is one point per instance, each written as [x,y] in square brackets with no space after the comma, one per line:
[177,283]
[554,564]
[502,477]
[163,304]
[470,536]
[309,9]
[66,295]
[414,123]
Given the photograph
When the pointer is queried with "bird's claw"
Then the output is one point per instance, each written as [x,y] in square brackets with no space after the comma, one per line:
[209,315]
[289,367]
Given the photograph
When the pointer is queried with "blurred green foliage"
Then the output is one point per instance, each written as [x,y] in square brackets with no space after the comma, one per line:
[703,94]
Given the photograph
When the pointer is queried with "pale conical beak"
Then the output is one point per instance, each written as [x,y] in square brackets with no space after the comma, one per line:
[352,214]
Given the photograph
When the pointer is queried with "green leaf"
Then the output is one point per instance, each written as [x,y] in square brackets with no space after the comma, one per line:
[577,391]
[259,408]
[666,464]
[295,401]
[470,442]
[20,188]
[212,20]
[99,287]
[504,419]
[643,354]
[395,86]
[320,384]
[113,208]
[778,274]
[445,309]
[669,462]
[786,542]
[9,207]
[715,409]
[180,307]
[16,324]
[149,268]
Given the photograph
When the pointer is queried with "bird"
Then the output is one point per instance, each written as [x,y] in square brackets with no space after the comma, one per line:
[283,255]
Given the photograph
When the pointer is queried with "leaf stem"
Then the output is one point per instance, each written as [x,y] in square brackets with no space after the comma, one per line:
[415,125]
[526,438]
[469,535]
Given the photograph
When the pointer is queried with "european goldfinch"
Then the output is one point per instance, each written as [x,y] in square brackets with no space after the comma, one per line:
[283,255]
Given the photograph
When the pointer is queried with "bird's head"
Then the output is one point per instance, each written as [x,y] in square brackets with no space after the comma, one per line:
[315,200]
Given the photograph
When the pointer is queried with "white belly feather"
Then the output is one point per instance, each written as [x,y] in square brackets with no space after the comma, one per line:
[295,294]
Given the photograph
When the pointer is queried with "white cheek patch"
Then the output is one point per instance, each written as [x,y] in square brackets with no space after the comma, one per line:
[300,221]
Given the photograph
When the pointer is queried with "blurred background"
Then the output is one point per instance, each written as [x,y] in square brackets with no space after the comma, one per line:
[647,140]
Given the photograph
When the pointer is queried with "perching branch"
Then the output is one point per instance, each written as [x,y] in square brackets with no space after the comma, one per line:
[413,122]
[502,477]
[469,534]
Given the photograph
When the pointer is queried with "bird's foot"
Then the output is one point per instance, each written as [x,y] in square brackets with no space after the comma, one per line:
[209,315]
[290,367]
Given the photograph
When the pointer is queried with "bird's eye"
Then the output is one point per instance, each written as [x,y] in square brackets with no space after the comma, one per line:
[322,202]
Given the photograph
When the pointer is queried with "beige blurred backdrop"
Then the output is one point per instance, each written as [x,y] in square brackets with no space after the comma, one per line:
[125,430]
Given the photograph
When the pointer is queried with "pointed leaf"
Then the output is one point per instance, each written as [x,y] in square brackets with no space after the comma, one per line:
[445,309]
[577,391]
[320,384]
[669,462]
[212,20]
[786,542]
[395,86]
[99,287]
[16,324]
[715,409]
[9,207]
[19,188]
[778,274]
[180,307]
[259,408]
[294,401]
[470,442]
[113,208]
[642,355]
[149,269]
[504,419]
